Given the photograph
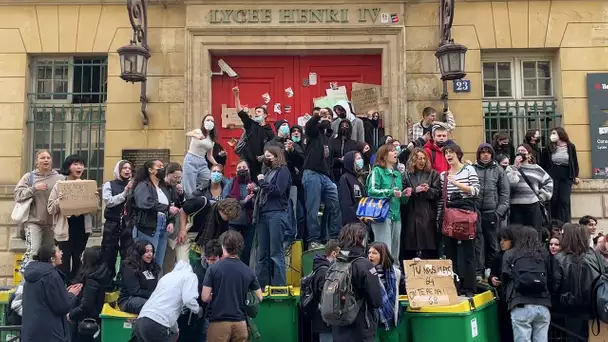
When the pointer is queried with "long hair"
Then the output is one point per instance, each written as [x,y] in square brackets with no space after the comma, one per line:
[382,154]
[529,135]
[69,160]
[211,133]
[386,259]
[92,263]
[278,154]
[563,137]
[527,242]
[575,239]
[134,258]
[352,235]
[411,161]
[142,172]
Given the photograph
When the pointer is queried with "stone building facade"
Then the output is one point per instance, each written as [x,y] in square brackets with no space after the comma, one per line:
[47,45]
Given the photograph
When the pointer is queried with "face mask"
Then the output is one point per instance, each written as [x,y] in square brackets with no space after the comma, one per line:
[242,175]
[359,164]
[216,177]
[267,162]
[343,131]
[296,139]
[440,143]
[160,173]
[398,149]
[258,119]
[284,130]
[523,156]
[209,125]
[553,137]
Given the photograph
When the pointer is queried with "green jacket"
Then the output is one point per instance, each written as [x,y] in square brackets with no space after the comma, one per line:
[381,183]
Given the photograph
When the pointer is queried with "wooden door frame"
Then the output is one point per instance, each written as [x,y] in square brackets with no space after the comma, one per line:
[389,41]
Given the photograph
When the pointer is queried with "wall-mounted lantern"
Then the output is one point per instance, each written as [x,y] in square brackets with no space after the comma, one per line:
[134,57]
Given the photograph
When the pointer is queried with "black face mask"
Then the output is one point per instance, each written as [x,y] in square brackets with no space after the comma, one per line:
[243,175]
[523,156]
[268,162]
[440,143]
[161,173]
[344,131]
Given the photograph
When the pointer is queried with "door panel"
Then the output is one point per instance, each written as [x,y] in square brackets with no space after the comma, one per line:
[273,74]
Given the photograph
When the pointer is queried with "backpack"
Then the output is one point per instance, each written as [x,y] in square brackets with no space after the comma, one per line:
[529,275]
[338,304]
[308,303]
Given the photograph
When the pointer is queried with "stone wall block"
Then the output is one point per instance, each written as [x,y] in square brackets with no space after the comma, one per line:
[586,204]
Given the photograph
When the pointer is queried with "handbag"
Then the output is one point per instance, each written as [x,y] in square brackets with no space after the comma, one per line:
[374,210]
[459,224]
[21,210]
[88,328]
[541,202]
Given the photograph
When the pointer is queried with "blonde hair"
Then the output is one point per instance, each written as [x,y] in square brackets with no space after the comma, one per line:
[411,161]
[41,152]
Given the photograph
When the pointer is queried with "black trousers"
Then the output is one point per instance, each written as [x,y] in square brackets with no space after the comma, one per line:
[562,190]
[528,215]
[115,239]
[72,252]
[462,254]
[486,242]
[147,330]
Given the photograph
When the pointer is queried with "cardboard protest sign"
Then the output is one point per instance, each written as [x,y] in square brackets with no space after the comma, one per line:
[430,283]
[80,197]
[230,117]
[365,97]
[335,95]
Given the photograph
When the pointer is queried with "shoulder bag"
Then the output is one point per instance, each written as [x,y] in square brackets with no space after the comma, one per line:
[21,210]
[541,202]
[374,210]
[459,224]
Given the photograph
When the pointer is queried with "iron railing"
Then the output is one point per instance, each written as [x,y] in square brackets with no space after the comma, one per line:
[518,116]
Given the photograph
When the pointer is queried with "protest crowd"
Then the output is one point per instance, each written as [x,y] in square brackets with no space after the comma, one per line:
[364,200]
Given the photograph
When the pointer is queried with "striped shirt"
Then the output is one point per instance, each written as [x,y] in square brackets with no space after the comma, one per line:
[540,180]
[560,156]
[466,176]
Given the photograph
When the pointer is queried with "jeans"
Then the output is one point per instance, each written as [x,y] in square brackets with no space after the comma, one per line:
[247,231]
[133,305]
[319,187]
[531,323]
[292,228]
[35,236]
[388,232]
[326,337]
[158,241]
[196,173]
[270,268]
[205,328]
[147,330]
[486,242]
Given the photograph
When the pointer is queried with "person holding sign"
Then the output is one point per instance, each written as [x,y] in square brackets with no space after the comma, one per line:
[196,169]
[35,186]
[71,231]
[391,279]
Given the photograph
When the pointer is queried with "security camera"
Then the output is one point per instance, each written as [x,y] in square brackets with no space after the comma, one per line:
[227,69]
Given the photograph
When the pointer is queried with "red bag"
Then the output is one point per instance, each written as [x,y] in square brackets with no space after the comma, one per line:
[459,224]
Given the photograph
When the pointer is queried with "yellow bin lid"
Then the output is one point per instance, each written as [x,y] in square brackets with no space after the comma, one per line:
[464,306]
[109,311]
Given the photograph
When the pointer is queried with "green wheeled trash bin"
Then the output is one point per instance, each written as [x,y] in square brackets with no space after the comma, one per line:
[116,325]
[278,317]
[472,320]
[307,258]
[405,332]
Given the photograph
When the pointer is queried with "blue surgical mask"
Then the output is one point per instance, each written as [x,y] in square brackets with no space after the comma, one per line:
[296,139]
[284,130]
[216,177]
[258,119]
[398,149]
[359,163]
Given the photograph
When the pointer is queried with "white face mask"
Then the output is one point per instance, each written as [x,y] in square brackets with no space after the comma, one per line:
[209,125]
[553,137]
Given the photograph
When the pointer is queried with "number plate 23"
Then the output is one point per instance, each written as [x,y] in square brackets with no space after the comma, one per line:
[462,86]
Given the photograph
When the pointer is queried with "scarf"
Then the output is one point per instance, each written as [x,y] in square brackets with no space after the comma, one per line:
[386,311]
[235,189]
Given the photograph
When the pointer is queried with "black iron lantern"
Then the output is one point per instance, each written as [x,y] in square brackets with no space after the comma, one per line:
[451,59]
[134,57]
[133,63]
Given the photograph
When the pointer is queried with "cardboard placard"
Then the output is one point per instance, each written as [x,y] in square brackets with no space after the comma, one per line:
[603,334]
[322,102]
[361,86]
[430,283]
[365,99]
[335,95]
[230,117]
[80,197]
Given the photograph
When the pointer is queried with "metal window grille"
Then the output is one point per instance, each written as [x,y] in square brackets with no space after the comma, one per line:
[516,117]
[67,108]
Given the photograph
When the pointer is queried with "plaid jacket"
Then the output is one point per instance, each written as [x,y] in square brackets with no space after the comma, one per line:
[418,130]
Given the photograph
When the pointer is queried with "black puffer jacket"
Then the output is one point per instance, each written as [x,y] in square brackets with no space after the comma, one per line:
[495,187]
[573,280]
[320,264]
[92,296]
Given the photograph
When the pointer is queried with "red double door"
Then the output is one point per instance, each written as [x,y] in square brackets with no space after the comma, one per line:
[274,74]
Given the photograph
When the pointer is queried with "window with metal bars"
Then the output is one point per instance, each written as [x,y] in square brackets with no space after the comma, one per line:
[518,96]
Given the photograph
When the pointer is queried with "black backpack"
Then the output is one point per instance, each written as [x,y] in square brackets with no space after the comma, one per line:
[529,275]
[309,304]
[12,317]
